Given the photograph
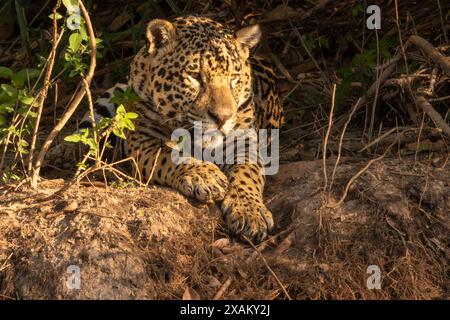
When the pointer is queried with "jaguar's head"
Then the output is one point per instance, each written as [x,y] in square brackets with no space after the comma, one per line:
[195,69]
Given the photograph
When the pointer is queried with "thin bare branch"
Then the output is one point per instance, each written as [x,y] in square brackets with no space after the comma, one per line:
[75,102]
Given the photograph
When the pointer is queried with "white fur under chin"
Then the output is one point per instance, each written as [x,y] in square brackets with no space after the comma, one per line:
[228,126]
[212,138]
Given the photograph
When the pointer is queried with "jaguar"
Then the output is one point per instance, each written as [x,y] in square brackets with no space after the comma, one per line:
[196,70]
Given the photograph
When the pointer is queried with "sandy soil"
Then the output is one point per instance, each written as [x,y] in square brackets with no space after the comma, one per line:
[136,243]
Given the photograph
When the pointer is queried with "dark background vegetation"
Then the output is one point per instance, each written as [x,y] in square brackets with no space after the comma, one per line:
[312,45]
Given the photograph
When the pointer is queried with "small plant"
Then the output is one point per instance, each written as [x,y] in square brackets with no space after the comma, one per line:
[9,176]
[312,43]
[363,66]
[23,92]
[121,122]
[15,93]
[357,9]
[17,107]
[78,46]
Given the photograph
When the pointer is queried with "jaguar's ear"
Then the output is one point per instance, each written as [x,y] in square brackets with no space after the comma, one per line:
[161,37]
[247,38]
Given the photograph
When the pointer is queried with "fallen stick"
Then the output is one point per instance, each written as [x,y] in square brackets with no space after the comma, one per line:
[423,104]
[222,289]
[357,175]
[430,51]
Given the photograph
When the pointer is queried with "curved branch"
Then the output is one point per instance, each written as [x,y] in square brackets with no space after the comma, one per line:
[423,104]
[432,53]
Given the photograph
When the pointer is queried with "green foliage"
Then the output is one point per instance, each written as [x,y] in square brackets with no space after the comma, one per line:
[363,66]
[79,45]
[77,50]
[84,137]
[19,88]
[15,95]
[8,176]
[122,121]
[357,9]
[126,97]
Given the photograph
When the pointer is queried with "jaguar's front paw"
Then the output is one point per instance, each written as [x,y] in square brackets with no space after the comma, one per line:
[203,181]
[246,215]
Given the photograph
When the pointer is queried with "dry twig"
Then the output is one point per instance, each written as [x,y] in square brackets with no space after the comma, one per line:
[431,52]
[43,94]
[358,174]
[423,104]
[269,268]
[325,141]
[222,289]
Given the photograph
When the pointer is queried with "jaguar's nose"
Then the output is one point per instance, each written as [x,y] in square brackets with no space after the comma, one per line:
[220,116]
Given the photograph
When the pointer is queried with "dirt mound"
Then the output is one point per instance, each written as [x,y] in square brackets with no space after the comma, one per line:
[154,243]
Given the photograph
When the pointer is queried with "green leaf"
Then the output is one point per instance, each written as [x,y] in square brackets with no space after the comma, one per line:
[25,98]
[21,146]
[76,137]
[23,75]
[357,9]
[2,120]
[121,109]
[121,97]
[83,33]
[72,73]
[131,115]
[93,147]
[70,5]
[26,112]
[119,132]
[85,133]
[58,16]
[103,123]
[67,56]
[81,165]
[42,61]
[5,72]
[75,41]
[9,90]
[128,124]
[7,107]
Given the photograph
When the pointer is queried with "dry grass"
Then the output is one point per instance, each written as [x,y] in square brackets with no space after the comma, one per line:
[160,246]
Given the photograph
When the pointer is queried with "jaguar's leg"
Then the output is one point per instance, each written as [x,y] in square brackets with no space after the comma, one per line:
[201,180]
[243,208]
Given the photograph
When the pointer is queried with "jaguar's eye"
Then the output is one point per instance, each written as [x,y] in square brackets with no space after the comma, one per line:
[234,79]
[195,77]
